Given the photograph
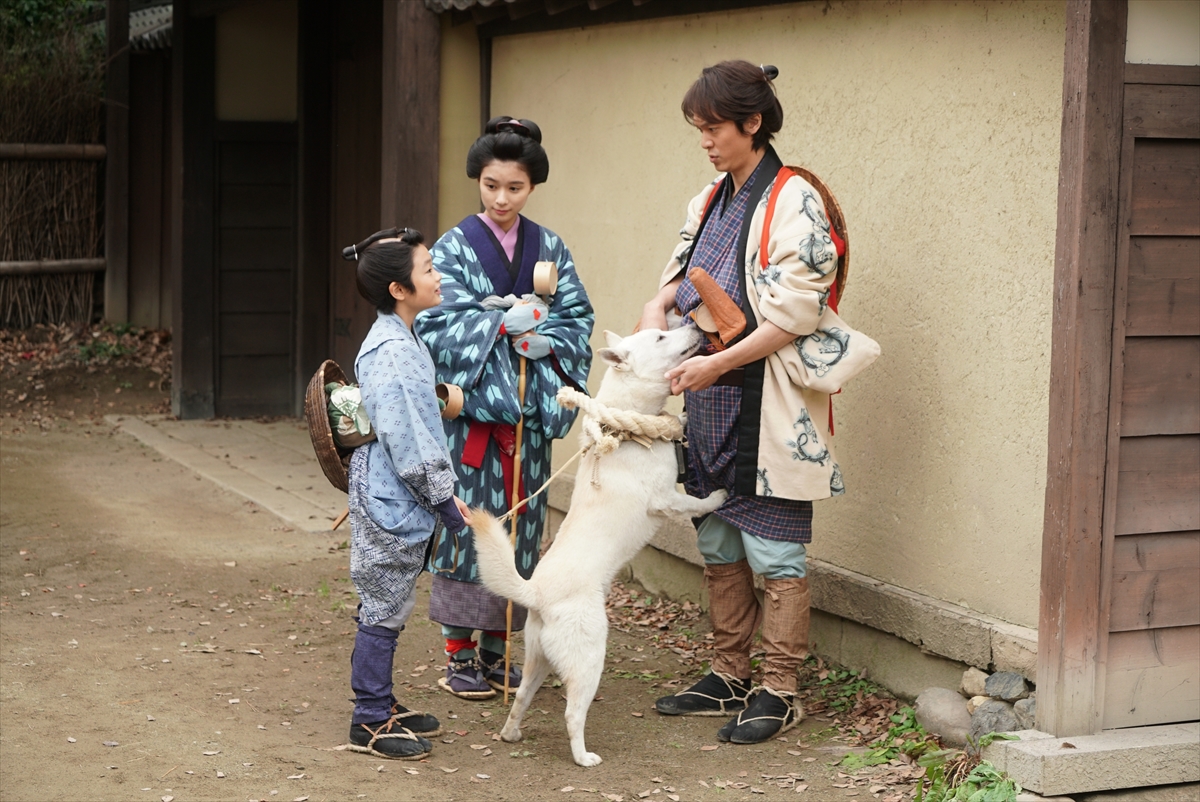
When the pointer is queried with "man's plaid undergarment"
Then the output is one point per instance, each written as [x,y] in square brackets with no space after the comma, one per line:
[712,422]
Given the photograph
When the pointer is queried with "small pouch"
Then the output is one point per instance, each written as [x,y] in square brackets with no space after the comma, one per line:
[831,356]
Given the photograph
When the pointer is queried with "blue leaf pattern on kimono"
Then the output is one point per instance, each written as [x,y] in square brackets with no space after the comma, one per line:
[470,352]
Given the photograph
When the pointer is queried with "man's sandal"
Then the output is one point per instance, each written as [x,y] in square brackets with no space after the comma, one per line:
[388,739]
[465,680]
[716,694]
[415,721]
[769,713]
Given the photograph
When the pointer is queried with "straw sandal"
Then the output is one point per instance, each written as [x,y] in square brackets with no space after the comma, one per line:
[388,739]
[770,713]
[416,721]
[465,680]
[716,694]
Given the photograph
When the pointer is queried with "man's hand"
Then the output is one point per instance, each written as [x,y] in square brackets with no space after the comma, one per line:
[697,373]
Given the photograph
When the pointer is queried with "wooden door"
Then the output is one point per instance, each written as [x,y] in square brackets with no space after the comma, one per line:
[255,268]
[1152,489]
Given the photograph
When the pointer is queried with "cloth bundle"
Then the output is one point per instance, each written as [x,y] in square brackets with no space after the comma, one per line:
[349,421]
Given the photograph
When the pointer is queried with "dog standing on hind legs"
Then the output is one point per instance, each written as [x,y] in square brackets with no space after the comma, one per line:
[621,499]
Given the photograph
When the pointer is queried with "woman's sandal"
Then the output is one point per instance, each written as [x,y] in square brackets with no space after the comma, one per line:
[769,713]
[388,739]
[465,680]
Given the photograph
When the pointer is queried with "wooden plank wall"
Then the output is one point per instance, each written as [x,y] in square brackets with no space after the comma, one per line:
[1153,648]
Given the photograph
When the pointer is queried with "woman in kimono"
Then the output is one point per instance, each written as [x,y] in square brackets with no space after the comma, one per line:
[401,486]
[773,453]
[489,321]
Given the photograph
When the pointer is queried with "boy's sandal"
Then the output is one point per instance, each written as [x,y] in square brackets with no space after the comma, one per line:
[716,694]
[416,721]
[465,680]
[388,740]
[769,713]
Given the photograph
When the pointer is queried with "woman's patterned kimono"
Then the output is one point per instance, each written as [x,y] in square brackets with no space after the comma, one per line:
[469,351]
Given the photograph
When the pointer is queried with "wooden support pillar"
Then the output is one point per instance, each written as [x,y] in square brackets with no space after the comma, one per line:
[411,87]
[193,111]
[1070,628]
[116,173]
[316,254]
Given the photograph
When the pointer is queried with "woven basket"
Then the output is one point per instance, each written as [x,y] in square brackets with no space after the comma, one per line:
[334,461]
[837,220]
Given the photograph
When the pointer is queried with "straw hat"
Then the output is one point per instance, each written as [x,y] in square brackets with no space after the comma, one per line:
[836,219]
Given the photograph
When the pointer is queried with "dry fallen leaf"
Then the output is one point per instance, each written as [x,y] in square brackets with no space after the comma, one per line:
[566,789]
[709,748]
[448,771]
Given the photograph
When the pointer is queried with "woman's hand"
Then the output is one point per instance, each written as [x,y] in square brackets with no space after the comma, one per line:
[654,313]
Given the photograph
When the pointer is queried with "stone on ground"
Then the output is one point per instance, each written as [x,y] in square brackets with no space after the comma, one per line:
[1026,711]
[1007,686]
[944,712]
[993,716]
[973,682]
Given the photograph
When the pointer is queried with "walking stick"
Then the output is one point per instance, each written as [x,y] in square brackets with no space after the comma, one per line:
[545,282]
[516,497]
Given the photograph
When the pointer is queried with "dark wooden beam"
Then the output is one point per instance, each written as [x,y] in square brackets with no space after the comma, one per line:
[315,146]
[193,104]
[1070,631]
[411,87]
[116,170]
[19,151]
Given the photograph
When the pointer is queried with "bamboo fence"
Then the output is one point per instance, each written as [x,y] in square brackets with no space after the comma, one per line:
[50,206]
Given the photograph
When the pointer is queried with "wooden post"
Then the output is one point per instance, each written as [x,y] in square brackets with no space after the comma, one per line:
[411,87]
[116,173]
[1070,626]
[193,111]
[316,253]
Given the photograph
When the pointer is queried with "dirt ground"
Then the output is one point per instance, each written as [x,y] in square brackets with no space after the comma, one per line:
[163,639]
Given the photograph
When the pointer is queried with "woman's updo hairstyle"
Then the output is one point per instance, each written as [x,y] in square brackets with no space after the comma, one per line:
[736,91]
[508,140]
[381,263]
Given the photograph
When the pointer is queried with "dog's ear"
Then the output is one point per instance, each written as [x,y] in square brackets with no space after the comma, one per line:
[615,357]
[612,338]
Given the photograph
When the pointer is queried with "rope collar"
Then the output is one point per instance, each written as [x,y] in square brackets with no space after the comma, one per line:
[605,428]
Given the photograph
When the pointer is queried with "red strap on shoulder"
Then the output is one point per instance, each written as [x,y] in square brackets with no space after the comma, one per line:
[780,179]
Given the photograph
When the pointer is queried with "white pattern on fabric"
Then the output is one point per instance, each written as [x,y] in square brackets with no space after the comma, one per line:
[384,567]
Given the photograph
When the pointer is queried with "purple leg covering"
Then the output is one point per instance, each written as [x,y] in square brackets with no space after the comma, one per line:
[371,673]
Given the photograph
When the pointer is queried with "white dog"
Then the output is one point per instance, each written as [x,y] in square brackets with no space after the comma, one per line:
[607,525]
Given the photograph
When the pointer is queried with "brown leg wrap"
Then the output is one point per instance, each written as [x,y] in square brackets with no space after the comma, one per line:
[785,632]
[735,615]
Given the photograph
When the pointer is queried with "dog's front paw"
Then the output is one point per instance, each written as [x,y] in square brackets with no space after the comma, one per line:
[589,759]
[510,734]
[717,498]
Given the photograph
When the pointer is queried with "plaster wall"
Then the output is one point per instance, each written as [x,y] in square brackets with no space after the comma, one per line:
[937,125]
[256,62]
[1163,32]
[458,196]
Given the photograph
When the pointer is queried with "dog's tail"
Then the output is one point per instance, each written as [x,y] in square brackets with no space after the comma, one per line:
[497,564]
